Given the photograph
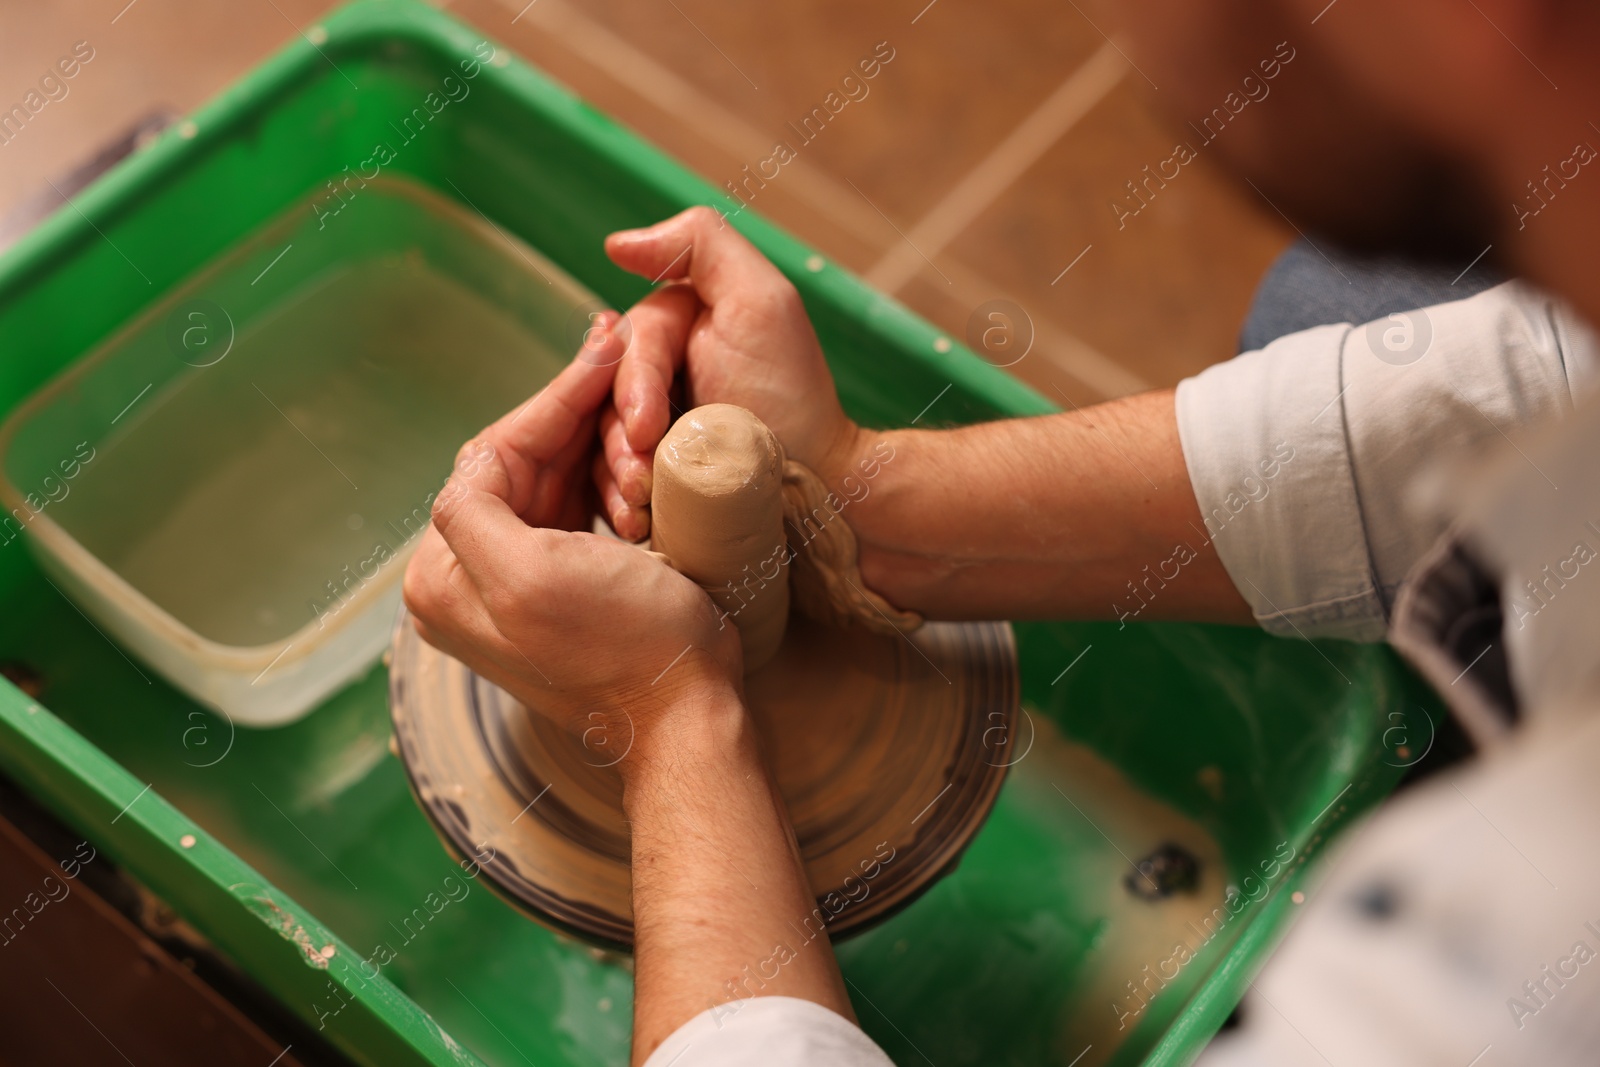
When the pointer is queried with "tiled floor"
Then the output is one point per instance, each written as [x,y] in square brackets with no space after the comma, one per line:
[979,165]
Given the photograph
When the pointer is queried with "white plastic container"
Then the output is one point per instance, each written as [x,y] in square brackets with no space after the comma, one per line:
[230,486]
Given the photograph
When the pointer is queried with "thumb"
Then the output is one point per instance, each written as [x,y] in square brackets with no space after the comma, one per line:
[499,552]
[698,245]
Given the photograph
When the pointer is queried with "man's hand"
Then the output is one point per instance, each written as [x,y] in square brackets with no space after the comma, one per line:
[735,327]
[579,627]
[1054,517]
[616,645]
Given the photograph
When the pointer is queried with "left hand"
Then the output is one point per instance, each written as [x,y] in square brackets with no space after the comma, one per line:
[574,625]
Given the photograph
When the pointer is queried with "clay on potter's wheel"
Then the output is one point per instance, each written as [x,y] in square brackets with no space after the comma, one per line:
[716,506]
[888,747]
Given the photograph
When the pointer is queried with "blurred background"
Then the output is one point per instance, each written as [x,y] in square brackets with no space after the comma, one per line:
[981,164]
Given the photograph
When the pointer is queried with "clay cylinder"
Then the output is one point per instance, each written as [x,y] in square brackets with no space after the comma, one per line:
[717,514]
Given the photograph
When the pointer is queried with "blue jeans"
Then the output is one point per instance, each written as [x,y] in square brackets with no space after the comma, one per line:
[1303,288]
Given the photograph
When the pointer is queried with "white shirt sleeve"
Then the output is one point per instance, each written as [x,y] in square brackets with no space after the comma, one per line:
[772,1032]
[1301,453]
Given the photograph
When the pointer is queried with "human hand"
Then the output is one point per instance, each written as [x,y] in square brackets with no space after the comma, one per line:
[736,328]
[587,630]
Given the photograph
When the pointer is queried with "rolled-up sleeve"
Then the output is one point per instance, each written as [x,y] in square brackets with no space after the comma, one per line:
[1301,453]
[771,1031]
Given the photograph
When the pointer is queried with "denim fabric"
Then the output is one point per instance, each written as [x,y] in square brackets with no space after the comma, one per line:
[1308,287]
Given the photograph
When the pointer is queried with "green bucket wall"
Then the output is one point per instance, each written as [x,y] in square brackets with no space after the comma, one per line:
[308,848]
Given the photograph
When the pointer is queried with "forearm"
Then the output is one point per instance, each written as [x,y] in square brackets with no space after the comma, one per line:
[1080,515]
[718,886]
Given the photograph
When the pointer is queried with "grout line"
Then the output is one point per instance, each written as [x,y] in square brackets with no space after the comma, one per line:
[704,117]
[1063,349]
[1126,58]
[629,66]
[920,254]
[1000,169]
[714,44]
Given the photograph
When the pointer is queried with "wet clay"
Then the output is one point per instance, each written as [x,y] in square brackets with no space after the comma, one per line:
[754,528]
[717,515]
[826,576]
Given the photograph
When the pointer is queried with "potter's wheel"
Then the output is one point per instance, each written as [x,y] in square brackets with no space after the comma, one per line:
[887,739]
[882,745]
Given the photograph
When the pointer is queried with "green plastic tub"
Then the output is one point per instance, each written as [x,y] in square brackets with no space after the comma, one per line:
[251,460]
[299,852]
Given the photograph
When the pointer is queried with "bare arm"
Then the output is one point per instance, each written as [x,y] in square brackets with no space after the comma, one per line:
[499,581]
[1081,515]
[718,888]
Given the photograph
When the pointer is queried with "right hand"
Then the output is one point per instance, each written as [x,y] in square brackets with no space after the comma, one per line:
[736,327]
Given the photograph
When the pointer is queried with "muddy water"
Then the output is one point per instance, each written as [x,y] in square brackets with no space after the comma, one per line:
[271,485]
[1034,950]
[1142,946]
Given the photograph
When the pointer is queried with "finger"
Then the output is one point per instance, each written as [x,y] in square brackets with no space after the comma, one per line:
[699,245]
[632,472]
[445,609]
[548,423]
[449,612]
[502,555]
[539,428]
[562,498]
[629,522]
[660,325]
[557,423]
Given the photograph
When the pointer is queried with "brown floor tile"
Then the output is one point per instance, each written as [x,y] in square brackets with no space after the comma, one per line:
[1161,298]
[961,78]
[1163,294]
[1039,352]
[177,53]
[696,129]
